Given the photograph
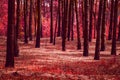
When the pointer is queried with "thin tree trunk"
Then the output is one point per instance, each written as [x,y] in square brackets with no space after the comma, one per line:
[103,39]
[86,25]
[98,26]
[91,19]
[25,21]
[113,51]
[38,24]
[111,21]
[30,20]
[78,32]
[59,18]
[51,23]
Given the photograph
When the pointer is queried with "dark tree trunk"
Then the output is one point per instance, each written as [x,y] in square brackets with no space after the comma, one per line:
[111,20]
[78,32]
[10,34]
[113,51]
[18,18]
[64,25]
[103,39]
[38,24]
[98,26]
[16,53]
[25,21]
[72,22]
[59,18]
[91,19]
[69,20]
[86,25]
[30,20]
[51,23]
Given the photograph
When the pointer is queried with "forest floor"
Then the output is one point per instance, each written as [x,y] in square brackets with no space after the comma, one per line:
[50,63]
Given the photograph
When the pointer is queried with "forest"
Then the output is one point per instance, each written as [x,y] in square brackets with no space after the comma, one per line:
[60,40]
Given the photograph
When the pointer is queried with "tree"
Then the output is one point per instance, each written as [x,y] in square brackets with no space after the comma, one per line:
[26,21]
[10,34]
[78,32]
[59,18]
[85,32]
[98,26]
[30,20]
[51,23]
[111,20]
[113,51]
[38,24]
[91,2]
[103,27]
[64,24]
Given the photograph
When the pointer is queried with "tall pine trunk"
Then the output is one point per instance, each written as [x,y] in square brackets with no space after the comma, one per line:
[38,24]
[111,20]
[30,20]
[85,32]
[51,22]
[103,39]
[113,51]
[25,21]
[98,26]
[78,32]
[10,34]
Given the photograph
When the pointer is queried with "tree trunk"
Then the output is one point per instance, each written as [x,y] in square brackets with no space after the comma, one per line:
[25,21]
[59,18]
[30,20]
[86,39]
[64,25]
[111,21]
[103,39]
[10,34]
[91,19]
[69,20]
[78,32]
[98,26]
[113,51]
[51,23]
[38,24]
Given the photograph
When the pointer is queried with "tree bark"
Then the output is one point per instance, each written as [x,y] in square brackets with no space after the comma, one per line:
[38,24]
[86,37]
[98,26]
[103,34]
[113,51]
[10,34]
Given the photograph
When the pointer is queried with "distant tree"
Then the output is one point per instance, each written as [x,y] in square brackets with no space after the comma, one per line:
[64,24]
[16,50]
[69,20]
[103,39]
[30,20]
[72,22]
[86,27]
[26,21]
[10,34]
[59,18]
[98,26]
[18,17]
[38,24]
[113,51]
[111,20]
[77,21]
[91,2]
[51,21]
